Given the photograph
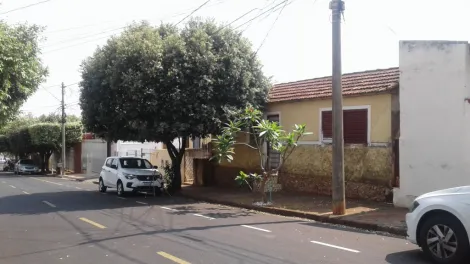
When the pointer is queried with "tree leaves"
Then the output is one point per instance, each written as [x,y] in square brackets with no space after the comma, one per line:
[21,69]
[30,136]
[161,83]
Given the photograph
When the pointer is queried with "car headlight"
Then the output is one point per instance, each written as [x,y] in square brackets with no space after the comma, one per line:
[128,176]
[414,206]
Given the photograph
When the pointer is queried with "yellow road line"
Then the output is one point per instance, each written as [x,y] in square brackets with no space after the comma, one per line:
[92,223]
[173,258]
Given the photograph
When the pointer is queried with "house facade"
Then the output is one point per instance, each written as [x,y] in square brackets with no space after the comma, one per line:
[371,123]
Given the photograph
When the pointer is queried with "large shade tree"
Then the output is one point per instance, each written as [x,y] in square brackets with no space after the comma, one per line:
[21,69]
[164,83]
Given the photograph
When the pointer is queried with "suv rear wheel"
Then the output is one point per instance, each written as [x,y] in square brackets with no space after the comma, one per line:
[444,239]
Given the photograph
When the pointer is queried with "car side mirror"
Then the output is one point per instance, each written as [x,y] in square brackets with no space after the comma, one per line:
[155,167]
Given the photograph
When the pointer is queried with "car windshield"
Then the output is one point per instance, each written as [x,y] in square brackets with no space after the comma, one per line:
[133,163]
[27,162]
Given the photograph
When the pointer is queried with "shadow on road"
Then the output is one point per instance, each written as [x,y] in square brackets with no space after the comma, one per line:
[337,227]
[411,256]
[220,212]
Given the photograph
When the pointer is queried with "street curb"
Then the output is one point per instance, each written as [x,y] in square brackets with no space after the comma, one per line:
[71,178]
[299,214]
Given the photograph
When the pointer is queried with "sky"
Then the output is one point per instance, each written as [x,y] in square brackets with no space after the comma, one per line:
[297,46]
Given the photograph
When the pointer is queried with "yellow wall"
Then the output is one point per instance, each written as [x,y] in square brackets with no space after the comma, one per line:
[307,112]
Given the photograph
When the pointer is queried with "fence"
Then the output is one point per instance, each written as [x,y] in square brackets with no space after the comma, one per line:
[141,153]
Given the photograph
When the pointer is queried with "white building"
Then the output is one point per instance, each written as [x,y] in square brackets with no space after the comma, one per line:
[434,117]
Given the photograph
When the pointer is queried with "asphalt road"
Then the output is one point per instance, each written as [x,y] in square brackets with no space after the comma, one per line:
[53,220]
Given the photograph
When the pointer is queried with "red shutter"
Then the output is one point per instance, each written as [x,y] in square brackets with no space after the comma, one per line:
[327,124]
[355,126]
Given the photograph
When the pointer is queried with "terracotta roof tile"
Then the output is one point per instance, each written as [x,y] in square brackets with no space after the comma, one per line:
[358,83]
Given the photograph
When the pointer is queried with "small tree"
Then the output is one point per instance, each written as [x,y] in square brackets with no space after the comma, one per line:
[45,139]
[262,133]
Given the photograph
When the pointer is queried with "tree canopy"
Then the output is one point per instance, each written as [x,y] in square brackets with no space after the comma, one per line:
[161,83]
[30,135]
[21,69]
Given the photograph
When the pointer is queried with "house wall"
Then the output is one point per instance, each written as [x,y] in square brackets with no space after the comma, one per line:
[160,157]
[308,113]
[434,118]
[368,169]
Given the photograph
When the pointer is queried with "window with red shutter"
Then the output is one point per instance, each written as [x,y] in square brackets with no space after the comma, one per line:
[354,126]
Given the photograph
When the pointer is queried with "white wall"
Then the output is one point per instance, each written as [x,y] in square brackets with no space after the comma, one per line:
[94,150]
[434,117]
[137,149]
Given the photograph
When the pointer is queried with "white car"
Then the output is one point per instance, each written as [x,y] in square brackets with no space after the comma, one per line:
[130,174]
[24,166]
[439,222]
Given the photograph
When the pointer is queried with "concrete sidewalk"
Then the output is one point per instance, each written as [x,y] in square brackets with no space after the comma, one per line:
[80,176]
[359,214]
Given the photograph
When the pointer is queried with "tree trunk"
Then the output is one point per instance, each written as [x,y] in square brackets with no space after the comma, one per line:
[176,156]
[43,161]
[264,198]
[46,161]
[108,148]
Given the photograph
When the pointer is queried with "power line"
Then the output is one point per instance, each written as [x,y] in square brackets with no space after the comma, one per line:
[271,28]
[78,44]
[24,7]
[84,42]
[194,11]
[260,10]
[83,37]
[272,8]
[51,94]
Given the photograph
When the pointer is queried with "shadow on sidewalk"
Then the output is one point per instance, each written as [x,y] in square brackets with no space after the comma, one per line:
[411,256]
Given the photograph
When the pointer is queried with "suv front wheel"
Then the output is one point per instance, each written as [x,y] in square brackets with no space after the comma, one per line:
[120,189]
[101,187]
[444,239]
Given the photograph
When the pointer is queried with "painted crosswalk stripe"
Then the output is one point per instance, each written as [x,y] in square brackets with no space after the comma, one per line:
[92,222]
[50,204]
[200,215]
[334,246]
[25,192]
[257,228]
[12,186]
[168,208]
[172,258]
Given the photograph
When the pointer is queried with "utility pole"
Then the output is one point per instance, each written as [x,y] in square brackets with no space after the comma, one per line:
[338,195]
[62,171]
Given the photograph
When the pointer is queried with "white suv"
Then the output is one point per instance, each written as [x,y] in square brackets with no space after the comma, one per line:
[130,174]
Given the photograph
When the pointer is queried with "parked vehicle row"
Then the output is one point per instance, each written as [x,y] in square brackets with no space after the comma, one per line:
[130,174]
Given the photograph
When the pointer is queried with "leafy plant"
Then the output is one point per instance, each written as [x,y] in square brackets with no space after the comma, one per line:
[21,68]
[262,132]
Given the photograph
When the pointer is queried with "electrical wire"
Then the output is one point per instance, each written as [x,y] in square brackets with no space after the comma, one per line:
[271,28]
[24,7]
[78,44]
[194,11]
[107,36]
[82,37]
[52,94]
[271,9]
[260,10]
